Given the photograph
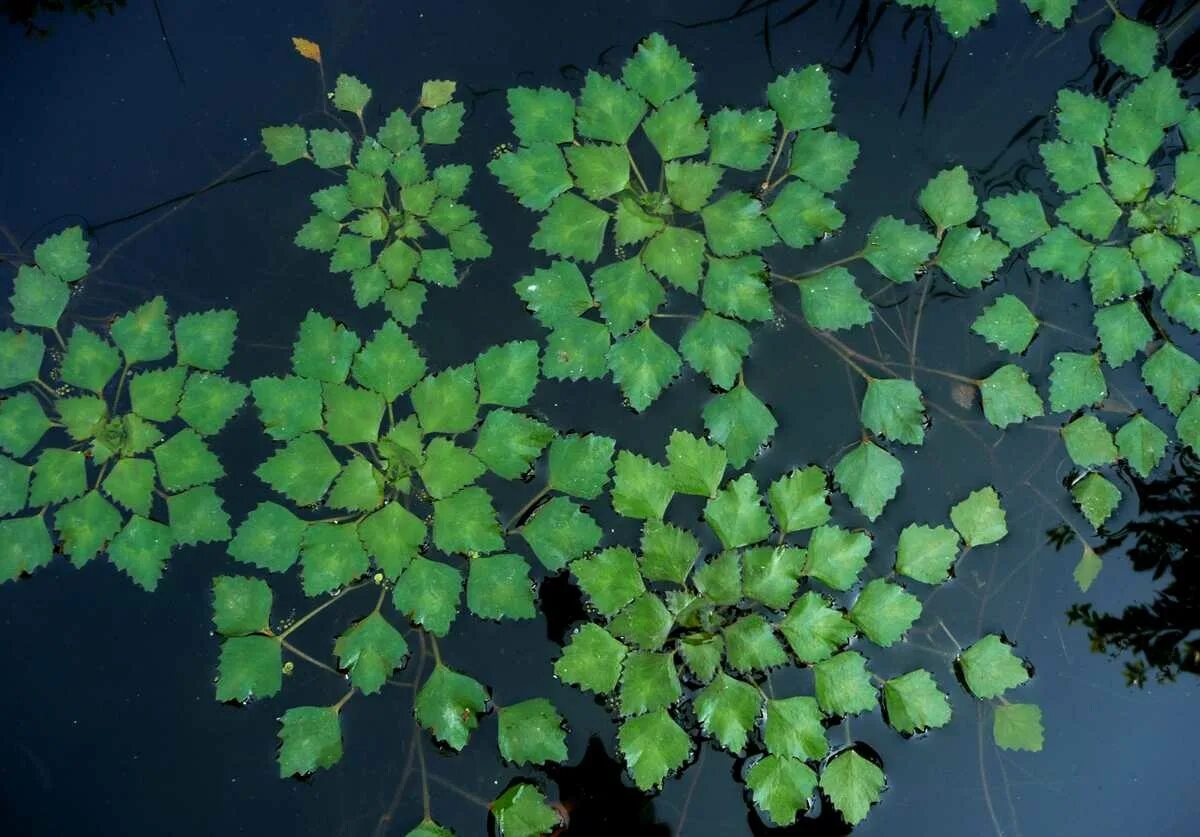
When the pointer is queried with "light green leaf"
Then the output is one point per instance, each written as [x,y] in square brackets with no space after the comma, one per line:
[696,466]
[209,401]
[577,348]
[641,488]
[793,728]
[331,556]
[1158,256]
[1113,274]
[740,422]
[884,611]
[1076,381]
[1018,726]
[610,579]
[980,518]
[535,175]
[658,71]
[1089,442]
[522,811]
[1091,212]
[89,362]
[802,98]
[990,668]
[926,553]
[25,546]
[559,532]
[441,125]
[250,666]
[1087,569]
[720,578]
[735,224]
[447,402]
[466,522]
[668,552]
[302,470]
[915,703]
[600,170]
[241,605]
[22,423]
[1130,45]
[814,630]
[852,783]
[844,685]
[389,363]
[1018,217]
[690,185]
[894,408]
[269,538]
[393,535]
[428,593]
[58,475]
[649,683]
[556,294]
[38,299]
[64,255]
[781,786]
[1172,375]
[970,256]
[23,350]
[737,515]
[508,373]
[131,483]
[627,294]
[371,650]
[1009,398]
[949,199]
[800,499]
[676,128]
[832,300]
[677,255]
[287,406]
[741,139]
[197,516]
[498,587]
[324,349]
[771,574]
[141,550]
[358,488]
[579,465]
[898,250]
[727,709]
[205,340]
[591,660]
[751,645]
[836,556]
[702,657]
[572,228]
[653,746]
[541,115]
[608,110]
[716,346]
[1142,444]
[870,476]
[82,417]
[738,287]
[643,365]
[448,468]
[823,159]
[1082,118]
[1061,251]
[1071,165]
[1007,323]
[1096,497]
[310,738]
[84,525]
[802,215]
[644,623]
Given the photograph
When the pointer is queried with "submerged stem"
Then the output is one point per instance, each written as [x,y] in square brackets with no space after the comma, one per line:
[295,625]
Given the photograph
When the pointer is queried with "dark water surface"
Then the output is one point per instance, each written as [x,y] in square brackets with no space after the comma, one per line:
[110,725]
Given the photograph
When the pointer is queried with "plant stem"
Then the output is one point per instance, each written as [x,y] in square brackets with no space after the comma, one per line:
[637,172]
[62,344]
[766,184]
[295,625]
[308,658]
[853,257]
[120,386]
[337,707]
[524,510]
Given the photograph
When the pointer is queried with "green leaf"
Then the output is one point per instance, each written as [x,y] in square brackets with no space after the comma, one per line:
[466,523]
[737,515]
[635,222]
[1008,397]
[676,129]
[331,556]
[643,365]
[741,139]
[1018,726]
[600,170]
[324,349]
[498,587]
[1089,442]
[22,423]
[358,488]
[926,553]
[389,363]
[649,683]
[836,556]
[1158,256]
[576,349]
[720,579]
[852,784]
[627,294]
[579,465]
[716,347]
[371,650]
[555,295]
[1172,375]
[893,408]
[949,199]
[980,518]
[572,228]
[607,109]
[696,467]
[735,224]
[814,630]
[84,525]
[436,92]
[140,550]
[1082,118]
[591,660]
[677,255]
[330,149]
[197,516]
[915,703]
[302,470]
[781,786]
[205,340]
[143,334]
[447,402]
[641,488]
[131,483]
[24,350]
[1007,323]
[990,668]
[310,738]
[844,685]
[1091,212]
[14,487]
[690,185]
[209,401]
[831,300]
[898,250]
[885,611]
[508,442]
[350,94]
[800,499]
[802,98]
[727,709]
[89,362]
[58,475]
[802,215]
[1076,381]
[448,468]
[541,115]
[250,666]
[1087,569]
[1097,498]
[740,422]
[772,574]
[25,546]
[269,538]
[441,125]
[1061,251]
[823,159]
[1130,45]
[38,299]
[508,373]
[970,256]
[155,394]
[522,811]
[751,645]
[658,71]
[1187,175]
[1128,182]
[1142,444]
[610,579]
[241,605]
[668,552]
[703,657]
[535,175]
[1071,165]
[64,255]
[393,535]
[738,287]
[870,476]
[531,732]
[794,728]
[653,746]
[1113,274]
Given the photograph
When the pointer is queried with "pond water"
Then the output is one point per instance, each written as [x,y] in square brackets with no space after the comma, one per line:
[112,727]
